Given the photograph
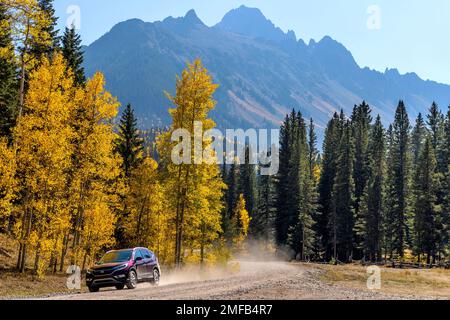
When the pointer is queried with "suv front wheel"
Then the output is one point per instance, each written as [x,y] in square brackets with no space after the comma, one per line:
[132,280]
[93,289]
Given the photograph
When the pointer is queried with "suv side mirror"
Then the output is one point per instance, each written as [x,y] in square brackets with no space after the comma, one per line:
[138,259]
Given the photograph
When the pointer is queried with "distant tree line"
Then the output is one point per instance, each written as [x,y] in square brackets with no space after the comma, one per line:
[372,194]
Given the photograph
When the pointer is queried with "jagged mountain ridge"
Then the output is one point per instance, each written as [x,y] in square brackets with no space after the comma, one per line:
[263,72]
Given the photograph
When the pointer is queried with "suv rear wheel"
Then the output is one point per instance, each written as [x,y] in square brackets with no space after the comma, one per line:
[156,277]
[132,280]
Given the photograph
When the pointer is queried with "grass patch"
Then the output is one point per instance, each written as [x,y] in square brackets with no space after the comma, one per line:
[13,285]
[422,283]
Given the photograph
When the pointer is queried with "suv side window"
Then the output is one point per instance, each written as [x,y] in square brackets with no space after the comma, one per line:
[147,254]
[137,254]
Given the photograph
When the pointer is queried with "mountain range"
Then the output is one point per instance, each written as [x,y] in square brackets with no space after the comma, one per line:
[262,71]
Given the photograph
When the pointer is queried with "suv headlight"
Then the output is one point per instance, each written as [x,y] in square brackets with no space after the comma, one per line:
[121,267]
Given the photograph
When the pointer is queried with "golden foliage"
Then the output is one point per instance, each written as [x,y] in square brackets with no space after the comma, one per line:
[63,187]
[241,222]
[65,171]
[193,191]
[27,24]
[93,188]
[148,223]
[43,154]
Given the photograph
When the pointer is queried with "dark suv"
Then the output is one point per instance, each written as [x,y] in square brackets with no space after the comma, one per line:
[120,268]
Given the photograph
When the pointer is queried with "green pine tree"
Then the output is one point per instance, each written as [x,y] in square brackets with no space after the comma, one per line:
[436,124]
[51,29]
[417,139]
[400,175]
[312,148]
[129,144]
[282,183]
[263,224]
[301,235]
[247,184]
[297,145]
[231,198]
[361,121]
[445,238]
[426,208]
[314,165]
[9,80]
[329,160]
[388,213]
[73,53]
[435,121]
[342,222]
[372,204]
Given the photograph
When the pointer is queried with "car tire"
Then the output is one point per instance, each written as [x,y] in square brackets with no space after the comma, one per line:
[93,289]
[156,277]
[120,287]
[132,280]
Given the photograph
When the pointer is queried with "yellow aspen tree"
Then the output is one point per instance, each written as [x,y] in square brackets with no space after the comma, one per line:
[98,227]
[241,222]
[205,225]
[95,168]
[28,24]
[43,155]
[191,188]
[145,225]
[7,49]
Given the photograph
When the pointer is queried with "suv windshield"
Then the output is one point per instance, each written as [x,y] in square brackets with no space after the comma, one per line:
[116,256]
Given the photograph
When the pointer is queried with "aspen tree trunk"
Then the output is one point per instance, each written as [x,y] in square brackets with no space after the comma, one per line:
[141,212]
[55,265]
[202,246]
[25,246]
[64,251]
[180,231]
[84,261]
[303,244]
[22,238]
[181,225]
[202,253]
[37,260]
[177,219]
[19,258]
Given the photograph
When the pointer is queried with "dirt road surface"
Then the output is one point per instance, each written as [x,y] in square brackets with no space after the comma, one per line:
[254,281]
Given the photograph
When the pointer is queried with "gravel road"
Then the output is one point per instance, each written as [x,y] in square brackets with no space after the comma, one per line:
[254,281]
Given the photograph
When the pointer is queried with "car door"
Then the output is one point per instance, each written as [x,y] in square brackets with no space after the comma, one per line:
[154,261]
[141,268]
[148,262]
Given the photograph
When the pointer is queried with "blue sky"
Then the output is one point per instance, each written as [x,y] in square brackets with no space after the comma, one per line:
[414,35]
